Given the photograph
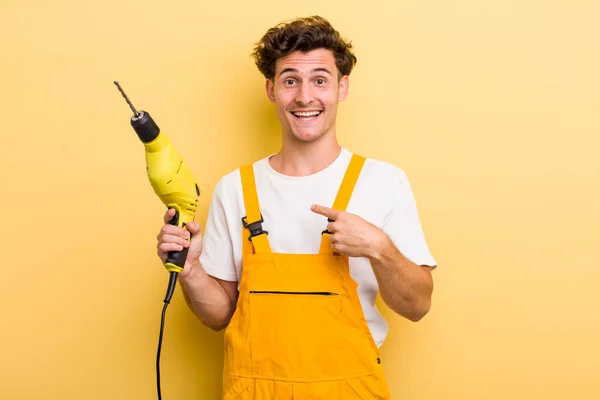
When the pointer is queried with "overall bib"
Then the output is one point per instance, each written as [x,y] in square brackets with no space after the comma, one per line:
[298,331]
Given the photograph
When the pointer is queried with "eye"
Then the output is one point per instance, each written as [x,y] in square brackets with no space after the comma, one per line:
[289,81]
[320,81]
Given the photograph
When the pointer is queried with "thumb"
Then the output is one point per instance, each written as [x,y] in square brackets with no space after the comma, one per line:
[195,248]
[194,229]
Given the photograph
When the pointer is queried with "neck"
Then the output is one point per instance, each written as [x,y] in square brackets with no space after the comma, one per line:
[305,158]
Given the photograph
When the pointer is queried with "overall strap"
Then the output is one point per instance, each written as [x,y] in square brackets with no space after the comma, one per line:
[252,231]
[343,195]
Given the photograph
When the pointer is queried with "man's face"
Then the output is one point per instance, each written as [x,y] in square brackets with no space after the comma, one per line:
[306,90]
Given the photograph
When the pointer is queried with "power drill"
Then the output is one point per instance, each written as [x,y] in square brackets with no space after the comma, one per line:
[171,180]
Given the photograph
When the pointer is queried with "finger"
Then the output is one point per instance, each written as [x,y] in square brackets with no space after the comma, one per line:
[167,247]
[172,230]
[325,211]
[331,227]
[337,247]
[169,215]
[334,238]
[174,239]
[338,239]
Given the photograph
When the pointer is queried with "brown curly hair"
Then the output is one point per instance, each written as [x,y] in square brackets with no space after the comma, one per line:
[302,34]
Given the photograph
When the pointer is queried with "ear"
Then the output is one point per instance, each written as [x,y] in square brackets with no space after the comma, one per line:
[270,88]
[344,86]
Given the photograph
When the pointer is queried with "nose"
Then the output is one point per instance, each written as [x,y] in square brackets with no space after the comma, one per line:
[304,94]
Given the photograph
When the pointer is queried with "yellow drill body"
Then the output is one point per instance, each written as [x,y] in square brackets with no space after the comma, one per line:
[173,182]
[170,177]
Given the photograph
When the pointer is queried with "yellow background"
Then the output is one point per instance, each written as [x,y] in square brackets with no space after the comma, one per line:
[491,108]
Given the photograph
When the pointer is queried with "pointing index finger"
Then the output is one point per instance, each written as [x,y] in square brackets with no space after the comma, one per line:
[325,211]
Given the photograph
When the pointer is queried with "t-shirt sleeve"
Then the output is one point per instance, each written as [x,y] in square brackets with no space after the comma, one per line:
[403,226]
[217,256]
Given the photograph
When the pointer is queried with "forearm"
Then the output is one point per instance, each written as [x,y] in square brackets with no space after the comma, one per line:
[207,299]
[405,286]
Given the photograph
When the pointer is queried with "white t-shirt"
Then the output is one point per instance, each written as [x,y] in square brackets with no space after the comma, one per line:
[382,196]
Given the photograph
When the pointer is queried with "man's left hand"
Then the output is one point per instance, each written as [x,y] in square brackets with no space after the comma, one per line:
[351,235]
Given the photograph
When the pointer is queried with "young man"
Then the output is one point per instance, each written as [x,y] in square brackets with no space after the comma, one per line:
[298,244]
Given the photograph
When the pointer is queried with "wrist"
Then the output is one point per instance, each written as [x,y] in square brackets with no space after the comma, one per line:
[380,248]
[191,272]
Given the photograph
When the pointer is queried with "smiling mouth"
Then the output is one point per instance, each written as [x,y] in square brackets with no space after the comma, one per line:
[306,115]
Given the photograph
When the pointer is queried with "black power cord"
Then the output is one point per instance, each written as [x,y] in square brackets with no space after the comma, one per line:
[170,290]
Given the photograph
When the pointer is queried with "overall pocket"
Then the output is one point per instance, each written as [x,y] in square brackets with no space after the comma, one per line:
[301,335]
[296,293]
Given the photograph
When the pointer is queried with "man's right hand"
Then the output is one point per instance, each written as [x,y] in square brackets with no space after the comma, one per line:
[174,238]
[212,300]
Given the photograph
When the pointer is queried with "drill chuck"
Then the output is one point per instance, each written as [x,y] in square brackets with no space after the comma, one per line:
[144,126]
[142,122]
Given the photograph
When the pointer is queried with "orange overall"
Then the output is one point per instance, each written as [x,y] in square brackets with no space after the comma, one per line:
[298,331]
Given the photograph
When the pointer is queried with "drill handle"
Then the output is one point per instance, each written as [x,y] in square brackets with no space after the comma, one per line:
[176,259]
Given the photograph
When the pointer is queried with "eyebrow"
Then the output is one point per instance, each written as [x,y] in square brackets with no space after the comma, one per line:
[320,69]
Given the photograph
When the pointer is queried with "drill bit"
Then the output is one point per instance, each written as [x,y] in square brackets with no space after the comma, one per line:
[135,112]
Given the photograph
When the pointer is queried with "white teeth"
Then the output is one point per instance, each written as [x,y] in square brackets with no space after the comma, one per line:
[307,113]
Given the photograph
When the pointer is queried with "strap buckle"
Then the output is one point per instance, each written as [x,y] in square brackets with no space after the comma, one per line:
[326,231]
[255,228]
